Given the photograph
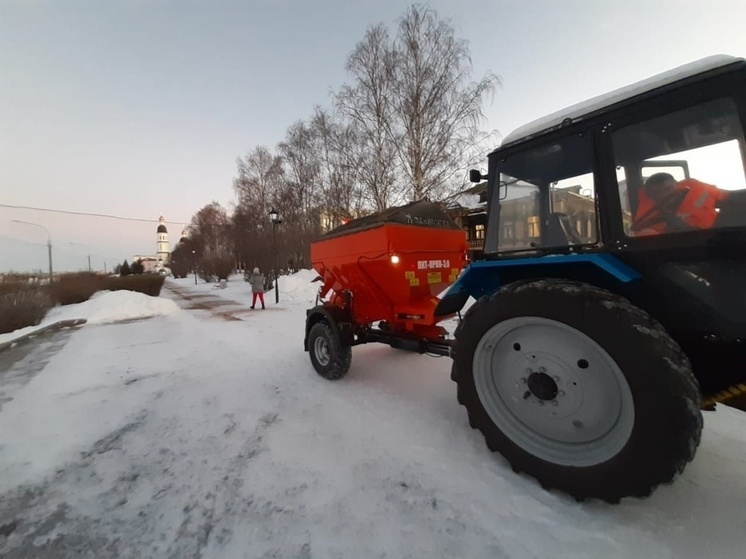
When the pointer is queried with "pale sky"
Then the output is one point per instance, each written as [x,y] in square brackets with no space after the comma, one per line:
[134,108]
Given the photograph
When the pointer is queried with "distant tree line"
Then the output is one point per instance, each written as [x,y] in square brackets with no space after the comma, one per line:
[405,128]
[125,269]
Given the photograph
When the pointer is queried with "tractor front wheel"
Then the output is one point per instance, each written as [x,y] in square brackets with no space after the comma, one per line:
[329,357]
[578,388]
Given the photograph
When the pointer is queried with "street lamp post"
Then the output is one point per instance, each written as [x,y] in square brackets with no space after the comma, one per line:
[194,265]
[275,217]
[49,243]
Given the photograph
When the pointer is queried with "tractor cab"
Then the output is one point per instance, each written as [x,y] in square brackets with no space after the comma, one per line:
[575,181]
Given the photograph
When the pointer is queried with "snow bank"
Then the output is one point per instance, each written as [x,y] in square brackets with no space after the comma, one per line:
[102,308]
[113,306]
[15,334]
[298,286]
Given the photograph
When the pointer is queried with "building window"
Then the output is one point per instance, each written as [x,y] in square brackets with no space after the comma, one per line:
[479,231]
[533,226]
[508,231]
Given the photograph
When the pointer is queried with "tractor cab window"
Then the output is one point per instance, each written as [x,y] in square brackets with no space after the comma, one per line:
[546,197]
[682,171]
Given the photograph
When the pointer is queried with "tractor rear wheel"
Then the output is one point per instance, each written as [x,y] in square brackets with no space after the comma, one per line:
[329,357]
[578,388]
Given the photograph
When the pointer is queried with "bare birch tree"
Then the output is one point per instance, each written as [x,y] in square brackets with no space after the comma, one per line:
[302,166]
[210,231]
[212,241]
[437,106]
[259,175]
[369,107]
[341,195]
[260,178]
[300,195]
[404,129]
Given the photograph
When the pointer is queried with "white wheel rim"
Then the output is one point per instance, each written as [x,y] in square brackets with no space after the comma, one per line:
[321,350]
[553,391]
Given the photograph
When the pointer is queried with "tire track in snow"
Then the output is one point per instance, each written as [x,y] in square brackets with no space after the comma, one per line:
[204,302]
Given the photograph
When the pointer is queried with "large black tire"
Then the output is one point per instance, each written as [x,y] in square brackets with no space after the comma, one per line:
[636,395]
[329,357]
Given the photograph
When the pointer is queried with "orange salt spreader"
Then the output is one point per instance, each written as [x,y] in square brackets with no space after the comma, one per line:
[388,268]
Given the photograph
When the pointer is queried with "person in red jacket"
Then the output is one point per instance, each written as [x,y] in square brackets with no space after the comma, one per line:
[667,206]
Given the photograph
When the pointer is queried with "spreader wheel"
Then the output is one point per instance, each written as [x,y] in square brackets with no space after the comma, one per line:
[578,388]
[329,357]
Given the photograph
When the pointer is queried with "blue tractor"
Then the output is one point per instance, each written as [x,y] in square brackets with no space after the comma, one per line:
[607,317]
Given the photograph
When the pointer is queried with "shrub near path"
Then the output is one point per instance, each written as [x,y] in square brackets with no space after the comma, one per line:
[24,301]
[149,284]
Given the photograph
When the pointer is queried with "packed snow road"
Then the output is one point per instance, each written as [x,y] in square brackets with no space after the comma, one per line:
[188,435]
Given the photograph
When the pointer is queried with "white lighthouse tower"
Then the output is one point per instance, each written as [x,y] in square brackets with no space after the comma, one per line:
[162,248]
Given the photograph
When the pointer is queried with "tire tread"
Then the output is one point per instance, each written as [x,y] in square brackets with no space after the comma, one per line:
[678,383]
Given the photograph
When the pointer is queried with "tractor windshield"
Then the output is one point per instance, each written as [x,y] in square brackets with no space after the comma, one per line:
[549,200]
[682,171]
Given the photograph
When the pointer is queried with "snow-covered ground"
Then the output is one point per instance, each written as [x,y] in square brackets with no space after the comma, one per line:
[204,432]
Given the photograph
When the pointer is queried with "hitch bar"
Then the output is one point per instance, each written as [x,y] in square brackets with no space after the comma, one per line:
[408,343]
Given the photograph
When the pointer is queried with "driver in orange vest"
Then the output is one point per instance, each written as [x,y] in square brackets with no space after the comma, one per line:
[667,206]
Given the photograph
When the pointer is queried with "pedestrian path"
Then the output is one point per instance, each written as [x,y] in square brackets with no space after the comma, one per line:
[217,307]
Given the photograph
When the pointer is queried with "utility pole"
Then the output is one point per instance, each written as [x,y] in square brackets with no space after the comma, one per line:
[90,269]
[49,244]
[49,249]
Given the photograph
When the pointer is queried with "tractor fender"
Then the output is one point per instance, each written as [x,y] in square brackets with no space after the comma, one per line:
[338,318]
[484,277]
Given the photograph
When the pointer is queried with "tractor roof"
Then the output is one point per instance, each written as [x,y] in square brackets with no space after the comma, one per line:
[580,110]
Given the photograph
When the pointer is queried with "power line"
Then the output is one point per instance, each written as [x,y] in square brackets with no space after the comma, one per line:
[60,247]
[108,216]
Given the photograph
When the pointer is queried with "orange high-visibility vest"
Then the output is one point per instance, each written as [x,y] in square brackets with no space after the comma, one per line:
[697,208]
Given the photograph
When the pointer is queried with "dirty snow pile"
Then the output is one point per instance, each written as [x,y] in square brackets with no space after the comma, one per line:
[114,306]
[299,286]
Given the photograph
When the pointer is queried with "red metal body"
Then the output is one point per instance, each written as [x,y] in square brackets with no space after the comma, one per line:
[393,272]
